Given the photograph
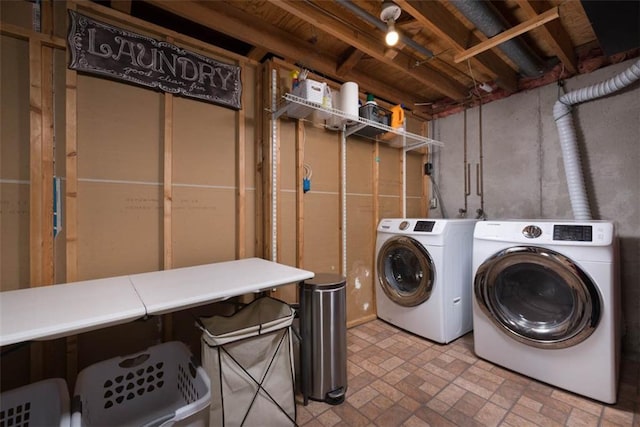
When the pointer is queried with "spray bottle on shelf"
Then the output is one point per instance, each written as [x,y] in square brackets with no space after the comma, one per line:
[294,79]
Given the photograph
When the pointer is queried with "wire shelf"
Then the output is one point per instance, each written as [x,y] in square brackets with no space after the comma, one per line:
[412,141]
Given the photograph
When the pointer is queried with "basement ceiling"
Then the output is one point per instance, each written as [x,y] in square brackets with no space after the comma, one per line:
[432,70]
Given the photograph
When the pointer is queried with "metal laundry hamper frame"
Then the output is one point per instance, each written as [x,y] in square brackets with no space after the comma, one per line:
[249,359]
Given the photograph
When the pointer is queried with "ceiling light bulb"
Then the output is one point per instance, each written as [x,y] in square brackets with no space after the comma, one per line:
[392,36]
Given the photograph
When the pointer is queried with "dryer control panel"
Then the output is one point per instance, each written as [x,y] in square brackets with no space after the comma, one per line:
[540,231]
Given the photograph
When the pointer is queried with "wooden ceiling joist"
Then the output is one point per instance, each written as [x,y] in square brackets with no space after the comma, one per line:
[435,17]
[509,34]
[224,18]
[352,57]
[554,34]
[425,75]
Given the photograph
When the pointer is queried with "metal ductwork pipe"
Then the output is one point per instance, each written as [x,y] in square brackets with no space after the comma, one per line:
[489,21]
[374,20]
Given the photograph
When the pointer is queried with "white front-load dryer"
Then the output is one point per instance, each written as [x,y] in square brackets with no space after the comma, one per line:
[424,277]
[546,302]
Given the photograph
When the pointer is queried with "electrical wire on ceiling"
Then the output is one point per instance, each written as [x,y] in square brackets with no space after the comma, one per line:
[476,91]
[436,57]
[475,83]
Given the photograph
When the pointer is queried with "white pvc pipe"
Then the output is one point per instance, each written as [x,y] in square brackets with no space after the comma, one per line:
[568,139]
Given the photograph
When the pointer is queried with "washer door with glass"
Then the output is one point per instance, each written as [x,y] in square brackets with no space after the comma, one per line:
[405,271]
[538,296]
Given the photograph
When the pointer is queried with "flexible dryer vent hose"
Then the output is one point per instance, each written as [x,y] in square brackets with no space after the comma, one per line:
[568,139]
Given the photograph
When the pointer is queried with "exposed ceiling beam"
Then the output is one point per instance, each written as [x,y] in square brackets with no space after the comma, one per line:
[257,53]
[554,34]
[123,6]
[435,17]
[504,36]
[351,59]
[230,21]
[424,75]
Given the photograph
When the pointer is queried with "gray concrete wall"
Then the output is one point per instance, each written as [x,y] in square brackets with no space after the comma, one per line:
[523,171]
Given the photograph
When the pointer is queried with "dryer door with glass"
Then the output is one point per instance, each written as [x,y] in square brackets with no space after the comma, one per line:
[538,297]
[406,272]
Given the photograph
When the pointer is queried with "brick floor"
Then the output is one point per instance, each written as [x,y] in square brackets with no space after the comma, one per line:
[398,379]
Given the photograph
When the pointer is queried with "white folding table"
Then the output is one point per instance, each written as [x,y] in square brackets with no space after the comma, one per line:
[171,290]
[49,312]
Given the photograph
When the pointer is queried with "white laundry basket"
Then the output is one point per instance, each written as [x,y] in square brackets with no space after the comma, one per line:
[161,386]
[43,403]
[249,359]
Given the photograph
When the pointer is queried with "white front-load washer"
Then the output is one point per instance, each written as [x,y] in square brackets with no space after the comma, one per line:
[424,277]
[547,304]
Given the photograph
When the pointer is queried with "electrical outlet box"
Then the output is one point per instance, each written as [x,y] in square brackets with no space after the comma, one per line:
[433,203]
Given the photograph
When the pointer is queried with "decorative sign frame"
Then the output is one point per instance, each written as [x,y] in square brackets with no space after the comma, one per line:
[105,50]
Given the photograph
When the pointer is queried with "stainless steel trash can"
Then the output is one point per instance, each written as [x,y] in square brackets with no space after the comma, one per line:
[323,328]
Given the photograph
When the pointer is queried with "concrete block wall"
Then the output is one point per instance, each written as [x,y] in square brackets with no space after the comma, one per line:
[523,172]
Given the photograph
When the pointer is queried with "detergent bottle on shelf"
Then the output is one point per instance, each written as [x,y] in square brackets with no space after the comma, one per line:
[397,117]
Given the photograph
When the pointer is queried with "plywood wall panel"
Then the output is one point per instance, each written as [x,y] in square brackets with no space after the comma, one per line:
[415,207]
[14,164]
[322,232]
[17,13]
[14,228]
[389,207]
[119,229]
[14,104]
[389,160]
[204,225]
[359,166]
[204,146]
[287,154]
[415,173]
[322,154]
[118,131]
[360,262]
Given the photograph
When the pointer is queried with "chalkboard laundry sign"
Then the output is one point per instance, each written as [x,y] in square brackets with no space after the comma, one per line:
[108,51]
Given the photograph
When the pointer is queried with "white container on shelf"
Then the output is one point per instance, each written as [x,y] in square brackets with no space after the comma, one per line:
[327,103]
[309,90]
[335,122]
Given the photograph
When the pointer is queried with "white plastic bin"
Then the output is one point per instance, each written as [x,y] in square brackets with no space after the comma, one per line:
[43,403]
[249,358]
[161,386]
[311,91]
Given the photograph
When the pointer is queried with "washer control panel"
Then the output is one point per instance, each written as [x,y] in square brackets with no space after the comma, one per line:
[574,233]
[424,226]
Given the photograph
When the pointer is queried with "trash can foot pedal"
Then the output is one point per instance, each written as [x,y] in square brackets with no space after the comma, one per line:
[335,397]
